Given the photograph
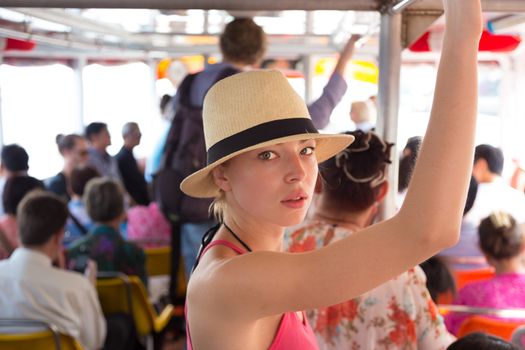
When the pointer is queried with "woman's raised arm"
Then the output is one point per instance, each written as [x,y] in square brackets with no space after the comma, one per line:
[427,223]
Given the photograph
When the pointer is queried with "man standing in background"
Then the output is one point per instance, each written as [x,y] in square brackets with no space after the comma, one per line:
[132,177]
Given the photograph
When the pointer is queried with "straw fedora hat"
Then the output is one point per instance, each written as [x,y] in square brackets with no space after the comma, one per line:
[251,110]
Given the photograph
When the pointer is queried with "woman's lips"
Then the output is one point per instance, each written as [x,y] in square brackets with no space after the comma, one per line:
[295,201]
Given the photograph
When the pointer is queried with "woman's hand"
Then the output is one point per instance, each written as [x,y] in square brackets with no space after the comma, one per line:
[463,19]
[346,54]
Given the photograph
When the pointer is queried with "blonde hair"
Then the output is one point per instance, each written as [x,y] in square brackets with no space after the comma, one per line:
[218,207]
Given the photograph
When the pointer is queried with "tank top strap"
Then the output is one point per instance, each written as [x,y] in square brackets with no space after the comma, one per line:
[225,243]
[212,244]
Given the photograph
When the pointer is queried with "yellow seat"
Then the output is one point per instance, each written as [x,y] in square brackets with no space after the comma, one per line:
[158,261]
[119,293]
[42,340]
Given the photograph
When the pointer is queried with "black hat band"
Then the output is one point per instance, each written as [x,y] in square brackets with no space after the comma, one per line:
[264,132]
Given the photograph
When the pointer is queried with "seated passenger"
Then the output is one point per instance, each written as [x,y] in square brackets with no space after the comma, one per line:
[481,341]
[14,161]
[32,288]
[398,314]
[148,224]
[501,240]
[79,222]
[14,191]
[104,201]
[440,282]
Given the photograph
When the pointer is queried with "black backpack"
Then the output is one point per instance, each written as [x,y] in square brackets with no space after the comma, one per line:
[184,153]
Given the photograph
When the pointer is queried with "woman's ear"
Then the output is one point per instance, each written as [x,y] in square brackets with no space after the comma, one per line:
[220,179]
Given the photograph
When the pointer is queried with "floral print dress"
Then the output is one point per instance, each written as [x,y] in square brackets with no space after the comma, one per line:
[398,314]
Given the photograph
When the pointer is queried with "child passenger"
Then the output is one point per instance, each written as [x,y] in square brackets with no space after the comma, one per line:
[104,199]
[263,154]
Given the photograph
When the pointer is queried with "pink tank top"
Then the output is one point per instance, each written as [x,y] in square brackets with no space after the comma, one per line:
[292,333]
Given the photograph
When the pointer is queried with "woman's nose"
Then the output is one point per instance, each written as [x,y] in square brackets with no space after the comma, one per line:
[295,169]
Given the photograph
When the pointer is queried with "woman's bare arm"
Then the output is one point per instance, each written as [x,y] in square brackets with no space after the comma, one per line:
[266,283]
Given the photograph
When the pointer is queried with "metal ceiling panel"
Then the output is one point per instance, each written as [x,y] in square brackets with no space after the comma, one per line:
[256,5]
[240,5]
[487,5]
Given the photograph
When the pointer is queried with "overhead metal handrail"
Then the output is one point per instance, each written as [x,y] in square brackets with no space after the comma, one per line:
[399,6]
[510,313]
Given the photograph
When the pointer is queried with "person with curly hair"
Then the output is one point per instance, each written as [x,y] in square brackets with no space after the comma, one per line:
[399,314]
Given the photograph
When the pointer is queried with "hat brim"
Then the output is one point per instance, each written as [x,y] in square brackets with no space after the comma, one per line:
[201,185]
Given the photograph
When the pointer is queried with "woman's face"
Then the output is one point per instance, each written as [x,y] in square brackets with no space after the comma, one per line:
[79,154]
[272,184]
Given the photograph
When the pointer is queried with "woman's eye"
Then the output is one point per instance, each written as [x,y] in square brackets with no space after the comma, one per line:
[307,150]
[267,155]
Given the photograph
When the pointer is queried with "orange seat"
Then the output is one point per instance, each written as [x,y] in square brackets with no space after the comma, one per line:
[463,277]
[445,298]
[500,328]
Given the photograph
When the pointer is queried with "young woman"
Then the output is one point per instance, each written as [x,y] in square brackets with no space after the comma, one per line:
[74,149]
[398,314]
[263,152]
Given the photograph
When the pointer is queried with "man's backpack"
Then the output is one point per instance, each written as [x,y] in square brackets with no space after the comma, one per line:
[184,153]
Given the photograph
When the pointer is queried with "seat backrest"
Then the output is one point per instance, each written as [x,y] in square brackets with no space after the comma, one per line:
[37,341]
[467,276]
[158,261]
[500,328]
[126,294]
[40,340]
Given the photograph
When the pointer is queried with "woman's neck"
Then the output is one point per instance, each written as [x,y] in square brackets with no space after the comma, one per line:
[256,235]
[512,265]
[68,168]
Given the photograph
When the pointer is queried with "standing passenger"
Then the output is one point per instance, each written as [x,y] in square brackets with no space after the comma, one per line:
[74,149]
[132,177]
[99,139]
[494,194]
[263,153]
[243,44]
